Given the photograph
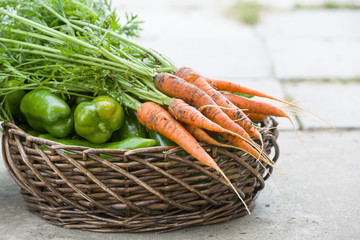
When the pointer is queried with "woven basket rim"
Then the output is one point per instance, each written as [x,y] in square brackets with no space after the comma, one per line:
[14,128]
[22,133]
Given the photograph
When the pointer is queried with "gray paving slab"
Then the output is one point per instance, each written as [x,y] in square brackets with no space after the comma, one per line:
[320,199]
[313,43]
[336,102]
[202,38]
[319,24]
[315,59]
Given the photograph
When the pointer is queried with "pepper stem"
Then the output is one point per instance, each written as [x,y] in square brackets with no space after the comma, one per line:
[102,127]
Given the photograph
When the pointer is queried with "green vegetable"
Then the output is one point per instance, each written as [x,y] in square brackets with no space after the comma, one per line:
[34,133]
[26,128]
[131,128]
[98,119]
[219,138]
[76,48]
[46,112]
[66,141]
[81,99]
[14,98]
[240,94]
[164,141]
[160,139]
[97,12]
[129,143]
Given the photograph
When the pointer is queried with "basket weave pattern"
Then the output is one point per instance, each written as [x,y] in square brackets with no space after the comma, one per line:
[149,189]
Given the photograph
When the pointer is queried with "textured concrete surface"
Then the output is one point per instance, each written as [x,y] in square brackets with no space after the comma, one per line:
[304,43]
[201,37]
[335,102]
[313,43]
[314,197]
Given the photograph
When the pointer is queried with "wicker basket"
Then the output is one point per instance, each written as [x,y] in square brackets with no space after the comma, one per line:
[150,189]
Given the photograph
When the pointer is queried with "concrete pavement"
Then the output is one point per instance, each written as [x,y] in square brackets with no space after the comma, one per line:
[311,56]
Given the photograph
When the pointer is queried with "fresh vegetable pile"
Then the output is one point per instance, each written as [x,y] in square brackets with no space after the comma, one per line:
[68,67]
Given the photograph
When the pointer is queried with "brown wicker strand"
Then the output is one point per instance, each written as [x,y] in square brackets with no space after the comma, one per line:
[24,183]
[272,138]
[11,168]
[245,165]
[195,165]
[187,186]
[48,161]
[98,182]
[141,183]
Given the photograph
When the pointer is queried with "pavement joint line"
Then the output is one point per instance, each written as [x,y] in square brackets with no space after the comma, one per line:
[320,129]
[320,80]
[328,5]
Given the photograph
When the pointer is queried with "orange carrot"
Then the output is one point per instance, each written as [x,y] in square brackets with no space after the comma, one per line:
[203,136]
[254,106]
[230,109]
[200,134]
[247,148]
[157,119]
[256,117]
[223,85]
[258,110]
[174,86]
[185,113]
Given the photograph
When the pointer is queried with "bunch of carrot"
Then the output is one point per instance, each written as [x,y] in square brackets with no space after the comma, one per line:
[200,106]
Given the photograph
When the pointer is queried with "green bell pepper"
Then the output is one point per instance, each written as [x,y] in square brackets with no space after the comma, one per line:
[26,128]
[97,120]
[131,128]
[46,112]
[77,100]
[13,100]
[160,139]
[164,141]
[82,99]
[129,143]
[67,141]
